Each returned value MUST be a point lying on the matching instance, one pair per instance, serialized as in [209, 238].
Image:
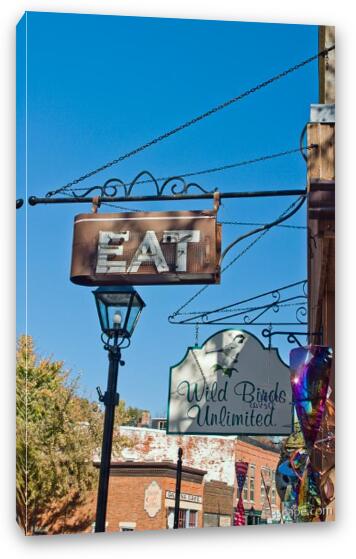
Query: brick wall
[214, 454]
[218, 498]
[260, 458]
[127, 496]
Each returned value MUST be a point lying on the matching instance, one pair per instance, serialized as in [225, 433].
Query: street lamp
[119, 308]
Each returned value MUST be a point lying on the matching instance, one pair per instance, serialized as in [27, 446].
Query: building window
[182, 518]
[162, 425]
[193, 519]
[186, 519]
[273, 490]
[266, 478]
[245, 489]
[263, 492]
[214, 520]
[211, 520]
[252, 482]
[127, 526]
[273, 496]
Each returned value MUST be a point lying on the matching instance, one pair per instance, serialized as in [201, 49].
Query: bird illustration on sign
[228, 355]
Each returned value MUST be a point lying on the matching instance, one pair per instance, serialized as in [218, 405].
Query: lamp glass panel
[135, 311]
[111, 303]
[123, 300]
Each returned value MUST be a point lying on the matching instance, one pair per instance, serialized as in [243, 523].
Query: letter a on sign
[148, 251]
[231, 385]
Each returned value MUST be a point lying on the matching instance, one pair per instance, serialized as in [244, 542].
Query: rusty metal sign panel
[146, 248]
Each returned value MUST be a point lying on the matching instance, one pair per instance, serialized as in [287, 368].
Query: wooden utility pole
[321, 206]
[321, 231]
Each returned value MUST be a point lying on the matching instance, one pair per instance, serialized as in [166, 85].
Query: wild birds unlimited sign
[231, 385]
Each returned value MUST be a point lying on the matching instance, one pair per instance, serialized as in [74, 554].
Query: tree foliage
[57, 434]
[132, 416]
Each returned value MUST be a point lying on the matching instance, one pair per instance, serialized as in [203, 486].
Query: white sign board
[153, 499]
[232, 385]
[184, 497]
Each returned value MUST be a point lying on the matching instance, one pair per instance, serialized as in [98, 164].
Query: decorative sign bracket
[166, 189]
[248, 312]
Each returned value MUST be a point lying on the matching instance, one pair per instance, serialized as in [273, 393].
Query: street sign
[231, 385]
[146, 248]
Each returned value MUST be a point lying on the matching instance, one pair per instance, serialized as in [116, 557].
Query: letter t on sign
[182, 238]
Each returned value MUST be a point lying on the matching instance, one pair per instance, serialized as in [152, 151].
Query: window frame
[252, 479]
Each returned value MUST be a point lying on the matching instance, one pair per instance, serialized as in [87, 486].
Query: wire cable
[194, 120]
[289, 212]
[254, 223]
[221, 168]
[264, 228]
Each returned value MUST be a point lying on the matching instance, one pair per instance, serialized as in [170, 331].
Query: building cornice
[153, 469]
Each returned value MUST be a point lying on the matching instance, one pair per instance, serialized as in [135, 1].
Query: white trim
[143, 218]
[186, 505]
[93, 526]
[129, 525]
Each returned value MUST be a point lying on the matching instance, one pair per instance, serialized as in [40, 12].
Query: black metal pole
[111, 400]
[34, 200]
[178, 484]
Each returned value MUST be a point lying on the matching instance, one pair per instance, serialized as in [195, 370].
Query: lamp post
[178, 487]
[119, 309]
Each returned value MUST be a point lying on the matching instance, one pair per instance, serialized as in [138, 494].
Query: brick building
[142, 480]
[262, 458]
[142, 496]
[218, 504]
[142, 484]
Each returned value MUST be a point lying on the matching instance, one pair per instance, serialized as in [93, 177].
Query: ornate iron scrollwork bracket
[292, 337]
[249, 312]
[114, 187]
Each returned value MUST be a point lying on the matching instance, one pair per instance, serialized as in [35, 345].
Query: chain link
[233, 308]
[193, 121]
[221, 168]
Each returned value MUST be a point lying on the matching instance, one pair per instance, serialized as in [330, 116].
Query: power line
[291, 210]
[221, 168]
[254, 223]
[286, 214]
[193, 121]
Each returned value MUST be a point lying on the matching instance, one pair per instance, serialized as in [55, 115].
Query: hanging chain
[197, 363]
[243, 163]
[193, 121]
[196, 335]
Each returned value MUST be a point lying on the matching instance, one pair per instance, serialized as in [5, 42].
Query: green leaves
[227, 371]
[57, 434]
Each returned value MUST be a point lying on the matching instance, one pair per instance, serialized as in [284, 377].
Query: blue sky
[99, 86]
